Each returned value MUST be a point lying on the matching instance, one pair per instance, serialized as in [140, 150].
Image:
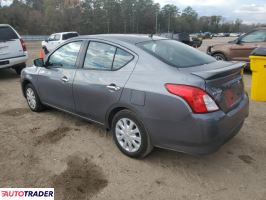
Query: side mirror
[46, 40]
[39, 62]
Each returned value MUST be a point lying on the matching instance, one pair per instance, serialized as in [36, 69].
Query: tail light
[23, 45]
[197, 99]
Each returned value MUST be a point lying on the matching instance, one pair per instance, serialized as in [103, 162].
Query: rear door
[241, 51]
[99, 83]
[55, 81]
[10, 45]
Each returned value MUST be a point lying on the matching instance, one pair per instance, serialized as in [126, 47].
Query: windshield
[69, 35]
[176, 53]
[6, 34]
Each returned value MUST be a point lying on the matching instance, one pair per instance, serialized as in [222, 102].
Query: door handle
[113, 87]
[64, 79]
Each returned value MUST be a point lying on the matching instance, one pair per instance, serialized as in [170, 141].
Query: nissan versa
[150, 91]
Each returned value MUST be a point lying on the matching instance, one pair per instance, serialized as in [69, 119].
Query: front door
[247, 44]
[99, 84]
[55, 81]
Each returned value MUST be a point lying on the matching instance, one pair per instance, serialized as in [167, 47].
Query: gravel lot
[79, 159]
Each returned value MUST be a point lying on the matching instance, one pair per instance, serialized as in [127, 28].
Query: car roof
[125, 38]
[65, 32]
[3, 25]
[261, 28]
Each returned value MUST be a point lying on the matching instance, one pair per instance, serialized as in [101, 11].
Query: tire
[219, 57]
[32, 98]
[19, 68]
[136, 145]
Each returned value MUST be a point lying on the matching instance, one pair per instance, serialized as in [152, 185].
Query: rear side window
[102, 56]
[176, 53]
[69, 35]
[99, 56]
[7, 33]
[121, 58]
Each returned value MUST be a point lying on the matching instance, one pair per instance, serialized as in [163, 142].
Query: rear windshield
[7, 33]
[175, 53]
[69, 35]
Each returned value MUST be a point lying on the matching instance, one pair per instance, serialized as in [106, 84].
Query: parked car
[56, 39]
[207, 35]
[184, 38]
[239, 49]
[150, 91]
[13, 51]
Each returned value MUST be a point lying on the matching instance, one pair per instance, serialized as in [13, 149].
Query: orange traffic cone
[42, 54]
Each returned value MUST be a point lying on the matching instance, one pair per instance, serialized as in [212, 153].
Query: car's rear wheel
[130, 135]
[33, 99]
[19, 68]
[219, 56]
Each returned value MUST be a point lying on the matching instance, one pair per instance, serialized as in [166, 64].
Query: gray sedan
[149, 91]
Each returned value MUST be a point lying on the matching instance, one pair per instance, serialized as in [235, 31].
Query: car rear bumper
[10, 62]
[200, 133]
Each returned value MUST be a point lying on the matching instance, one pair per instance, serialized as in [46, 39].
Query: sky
[250, 11]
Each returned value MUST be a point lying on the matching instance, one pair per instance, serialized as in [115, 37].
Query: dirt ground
[81, 161]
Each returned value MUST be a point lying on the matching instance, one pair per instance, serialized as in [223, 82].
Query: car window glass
[70, 35]
[176, 53]
[99, 56]
[65, 56]
[121, 58]
[7, 33]
[256, 36]
[51, 38]
[57, 37]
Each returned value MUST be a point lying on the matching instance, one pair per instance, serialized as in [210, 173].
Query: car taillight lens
[197, 99]
[23, 45]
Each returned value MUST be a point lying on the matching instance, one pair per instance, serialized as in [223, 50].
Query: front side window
[175, 53]
[103, 56]
[51, 38]
[57, 37]
[255, 36]
[66, 56]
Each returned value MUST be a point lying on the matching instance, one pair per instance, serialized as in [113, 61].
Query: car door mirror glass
[39, 62]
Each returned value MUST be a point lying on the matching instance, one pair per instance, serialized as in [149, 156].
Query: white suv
[57, 38]
[13, 52]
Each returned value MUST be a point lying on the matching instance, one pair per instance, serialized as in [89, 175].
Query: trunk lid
[223, 82]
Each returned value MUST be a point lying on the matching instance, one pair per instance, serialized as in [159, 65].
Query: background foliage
[110, 16]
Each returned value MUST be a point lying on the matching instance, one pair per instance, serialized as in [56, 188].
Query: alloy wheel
[128, 135]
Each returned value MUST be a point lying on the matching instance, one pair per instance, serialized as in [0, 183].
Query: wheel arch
[113, 111]
[23, 85]
[220, 52]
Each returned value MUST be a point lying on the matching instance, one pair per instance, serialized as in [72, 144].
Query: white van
[13, 51]
[56, 39]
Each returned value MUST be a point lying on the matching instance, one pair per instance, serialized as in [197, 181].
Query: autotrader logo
[26, 193]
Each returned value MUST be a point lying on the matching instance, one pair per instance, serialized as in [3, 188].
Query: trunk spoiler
[222, 71]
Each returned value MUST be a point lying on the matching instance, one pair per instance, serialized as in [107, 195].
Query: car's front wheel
[33, 99]
[130, 135]
[219, 56]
